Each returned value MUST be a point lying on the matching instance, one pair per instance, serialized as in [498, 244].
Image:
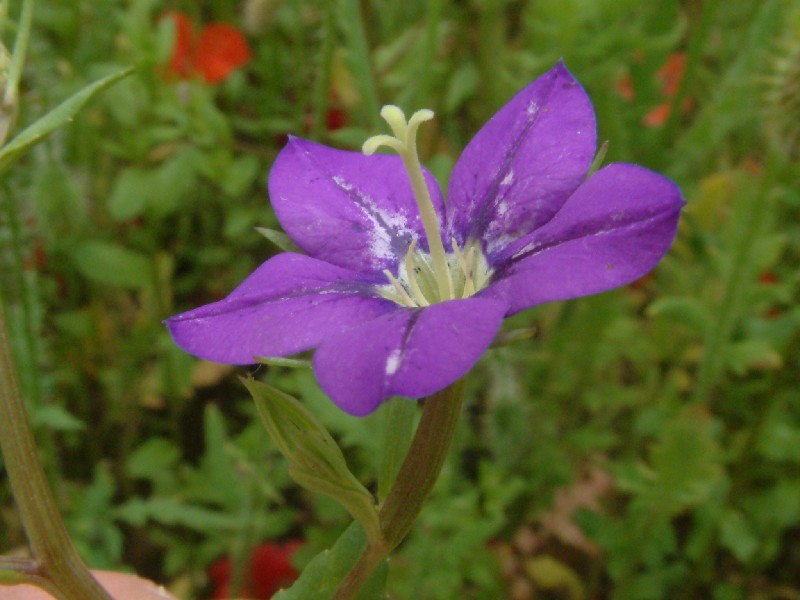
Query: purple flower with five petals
[400, 293]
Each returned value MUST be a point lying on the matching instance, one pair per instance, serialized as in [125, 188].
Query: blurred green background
[641, 444]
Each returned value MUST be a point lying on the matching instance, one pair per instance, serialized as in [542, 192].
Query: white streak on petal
[340, 181]
[393, 362]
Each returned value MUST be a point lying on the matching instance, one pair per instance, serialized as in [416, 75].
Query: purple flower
[400, 293]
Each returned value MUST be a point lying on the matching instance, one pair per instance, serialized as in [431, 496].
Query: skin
[121, 586]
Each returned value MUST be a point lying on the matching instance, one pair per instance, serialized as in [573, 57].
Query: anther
[401, 291]
[411, 274]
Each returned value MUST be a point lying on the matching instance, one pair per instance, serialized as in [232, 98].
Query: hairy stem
[416, 479]
[59, 568]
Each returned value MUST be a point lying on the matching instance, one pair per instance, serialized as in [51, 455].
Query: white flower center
[416, 284]
[426, 278]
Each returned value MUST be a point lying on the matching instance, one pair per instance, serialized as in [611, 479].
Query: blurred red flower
[214, 53]
[270, 570]
[670, 76]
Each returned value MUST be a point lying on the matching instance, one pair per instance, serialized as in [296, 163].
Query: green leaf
[156, 459]
[277, 361]
[239, 175]
[57, 117]
[56, 418]
[12, 67]
[173, 181]
[779, 437]
[463, 85]
[737, 535]
[685, 467]
[172, 511]
[158, 191]
[752, 354]
[280, 239]
[684, 310]
[315, 460]
[111, 264]
[324, 573]
[551, 574]
[128, 197]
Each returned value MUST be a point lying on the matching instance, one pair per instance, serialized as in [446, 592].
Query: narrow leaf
[112, 264]
[277, 361]
[57, 117]
[280, 239]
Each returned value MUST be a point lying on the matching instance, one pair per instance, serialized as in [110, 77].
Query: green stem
[398, 426]
[426, 56]
[8, 104]
[737, 282]
[59, 568]
[359, 58]
[414, 482]
[322, 86]
[491, 28]
[694, 54]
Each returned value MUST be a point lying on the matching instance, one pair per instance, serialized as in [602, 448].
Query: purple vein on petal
[349, 209]
[491, 198]
[523, 164]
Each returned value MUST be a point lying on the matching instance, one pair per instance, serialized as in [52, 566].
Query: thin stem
[423, 463]
[322, 85]
[359, 57]
[414, 482]
[369, 560]
[59, 563]
[738, 276]
[8, 104]
[693, 56]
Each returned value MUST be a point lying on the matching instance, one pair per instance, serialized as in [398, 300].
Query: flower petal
[289, 304]
[221, 48]
[346, 208]
[611, 231]
[180, 62]
[411, 352]
[524, 163]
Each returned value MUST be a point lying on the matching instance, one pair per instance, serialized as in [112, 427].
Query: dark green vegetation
[641, 444]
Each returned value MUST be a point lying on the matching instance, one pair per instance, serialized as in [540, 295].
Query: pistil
[404, 143]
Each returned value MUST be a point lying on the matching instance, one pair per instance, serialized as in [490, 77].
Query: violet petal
[524, 163]
[289, 304]
[411, 352]
[611, 231]
[349, 209]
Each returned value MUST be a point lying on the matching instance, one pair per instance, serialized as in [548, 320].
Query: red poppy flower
[270, 569]
[214, 53]
[670, 76]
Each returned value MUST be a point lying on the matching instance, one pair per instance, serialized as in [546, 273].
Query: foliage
[678, 393]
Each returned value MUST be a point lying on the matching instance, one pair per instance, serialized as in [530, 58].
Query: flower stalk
[56, 565]
[414, 482]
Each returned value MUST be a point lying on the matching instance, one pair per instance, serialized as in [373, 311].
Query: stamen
[412, 276]
[469, 284]
[466, 264]
[459, 256]
[401, 291]
[481, 272]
